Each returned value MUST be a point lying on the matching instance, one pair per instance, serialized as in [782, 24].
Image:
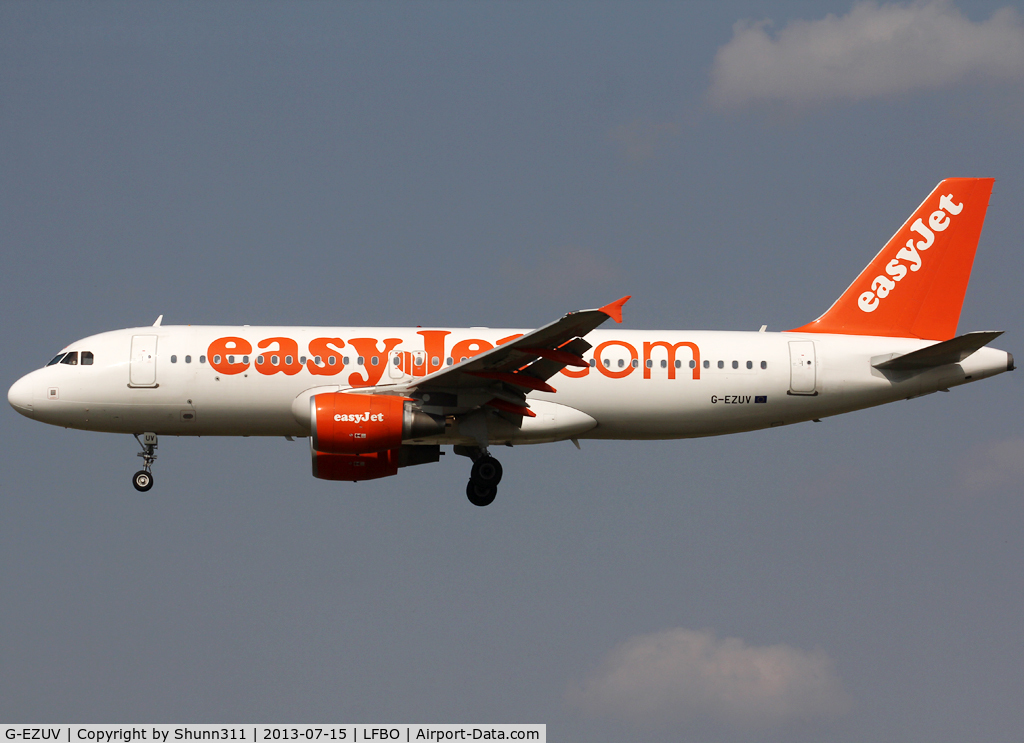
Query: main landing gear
[143, 479]
[483, 478]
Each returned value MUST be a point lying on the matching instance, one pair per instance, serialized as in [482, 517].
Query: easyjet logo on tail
[896, 270]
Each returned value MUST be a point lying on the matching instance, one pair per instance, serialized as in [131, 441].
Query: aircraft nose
[20, 396]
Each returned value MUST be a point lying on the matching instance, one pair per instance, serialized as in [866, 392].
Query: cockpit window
[71, 358]
[56, 359]
[86, 358]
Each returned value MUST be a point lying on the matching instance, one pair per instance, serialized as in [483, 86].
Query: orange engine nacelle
[344, 423]
[356, 467]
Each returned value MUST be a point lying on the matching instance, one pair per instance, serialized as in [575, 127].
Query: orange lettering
[367, 348]
[285, 358]
[221, 348]
[671, 350]
[608, 372]
[330, 356]
[433, 344]
[469, 348]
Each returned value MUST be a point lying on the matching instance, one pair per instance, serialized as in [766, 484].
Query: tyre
[480, 495]
[486, 472]
[142, 481]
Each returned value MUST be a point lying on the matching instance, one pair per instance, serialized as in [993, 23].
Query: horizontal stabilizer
[947, 352]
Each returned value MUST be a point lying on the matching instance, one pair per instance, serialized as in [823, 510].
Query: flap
[501, 377]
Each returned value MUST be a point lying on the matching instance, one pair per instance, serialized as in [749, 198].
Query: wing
[501, 378]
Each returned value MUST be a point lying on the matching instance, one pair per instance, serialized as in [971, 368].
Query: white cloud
[682, 676]
[996, 464]
[874, 50]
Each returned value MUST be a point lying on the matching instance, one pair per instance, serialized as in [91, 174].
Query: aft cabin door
[802, 368]
[142, 369]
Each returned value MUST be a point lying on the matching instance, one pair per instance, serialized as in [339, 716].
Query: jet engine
[356, 467]
[346, 423]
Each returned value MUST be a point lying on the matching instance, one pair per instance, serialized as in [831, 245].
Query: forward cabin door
[142, 368]
[802, 368]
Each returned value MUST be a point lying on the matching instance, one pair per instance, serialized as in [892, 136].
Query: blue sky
[727, 164]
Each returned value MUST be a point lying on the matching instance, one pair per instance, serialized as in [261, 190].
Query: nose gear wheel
[142, 480]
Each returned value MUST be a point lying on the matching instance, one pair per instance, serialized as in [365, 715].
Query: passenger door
[802, 365]
[142, 367]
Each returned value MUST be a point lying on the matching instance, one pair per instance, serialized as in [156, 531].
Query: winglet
[614, 309]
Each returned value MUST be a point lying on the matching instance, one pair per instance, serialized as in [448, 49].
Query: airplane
[376, 400]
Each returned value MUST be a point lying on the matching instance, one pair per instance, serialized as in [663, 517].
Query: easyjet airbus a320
[374, 400]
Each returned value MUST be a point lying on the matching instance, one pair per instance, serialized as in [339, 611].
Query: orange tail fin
[914, 287]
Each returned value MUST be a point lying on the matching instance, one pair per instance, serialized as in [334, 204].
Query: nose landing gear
[143, 479]
[483, 478]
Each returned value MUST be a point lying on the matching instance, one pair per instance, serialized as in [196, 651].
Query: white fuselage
[642, 384]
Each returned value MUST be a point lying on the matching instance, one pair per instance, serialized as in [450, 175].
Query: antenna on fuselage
[158, 321]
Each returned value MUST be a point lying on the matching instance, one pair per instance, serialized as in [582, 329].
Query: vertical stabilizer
[914, 287]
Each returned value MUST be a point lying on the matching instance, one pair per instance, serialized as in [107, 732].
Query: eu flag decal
[761, 398]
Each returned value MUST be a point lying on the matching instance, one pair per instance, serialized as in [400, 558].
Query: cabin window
[188, 359]
[449, 361]
[86, 358]
[216, 358]
[56, 359]
[202, 359]
[434, 361]
[275, 359]
[707, 364]
[259, 359]
[71, 359]
[174, 359]
[750, 364]
[288, 360]
[721, 364]
[593, 362]
[664, 363]
[635, 363]
[607, 364]
[764, 364]
[693, 364]
[622, 363]
[245, 359]
[359, 360]
[650, 363]
[302, 360]
[735, 365]
[374, 360]
[318, 361]
[231, 358]
[344, 360]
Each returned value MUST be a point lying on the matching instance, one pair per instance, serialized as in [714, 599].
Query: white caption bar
[269, 733]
